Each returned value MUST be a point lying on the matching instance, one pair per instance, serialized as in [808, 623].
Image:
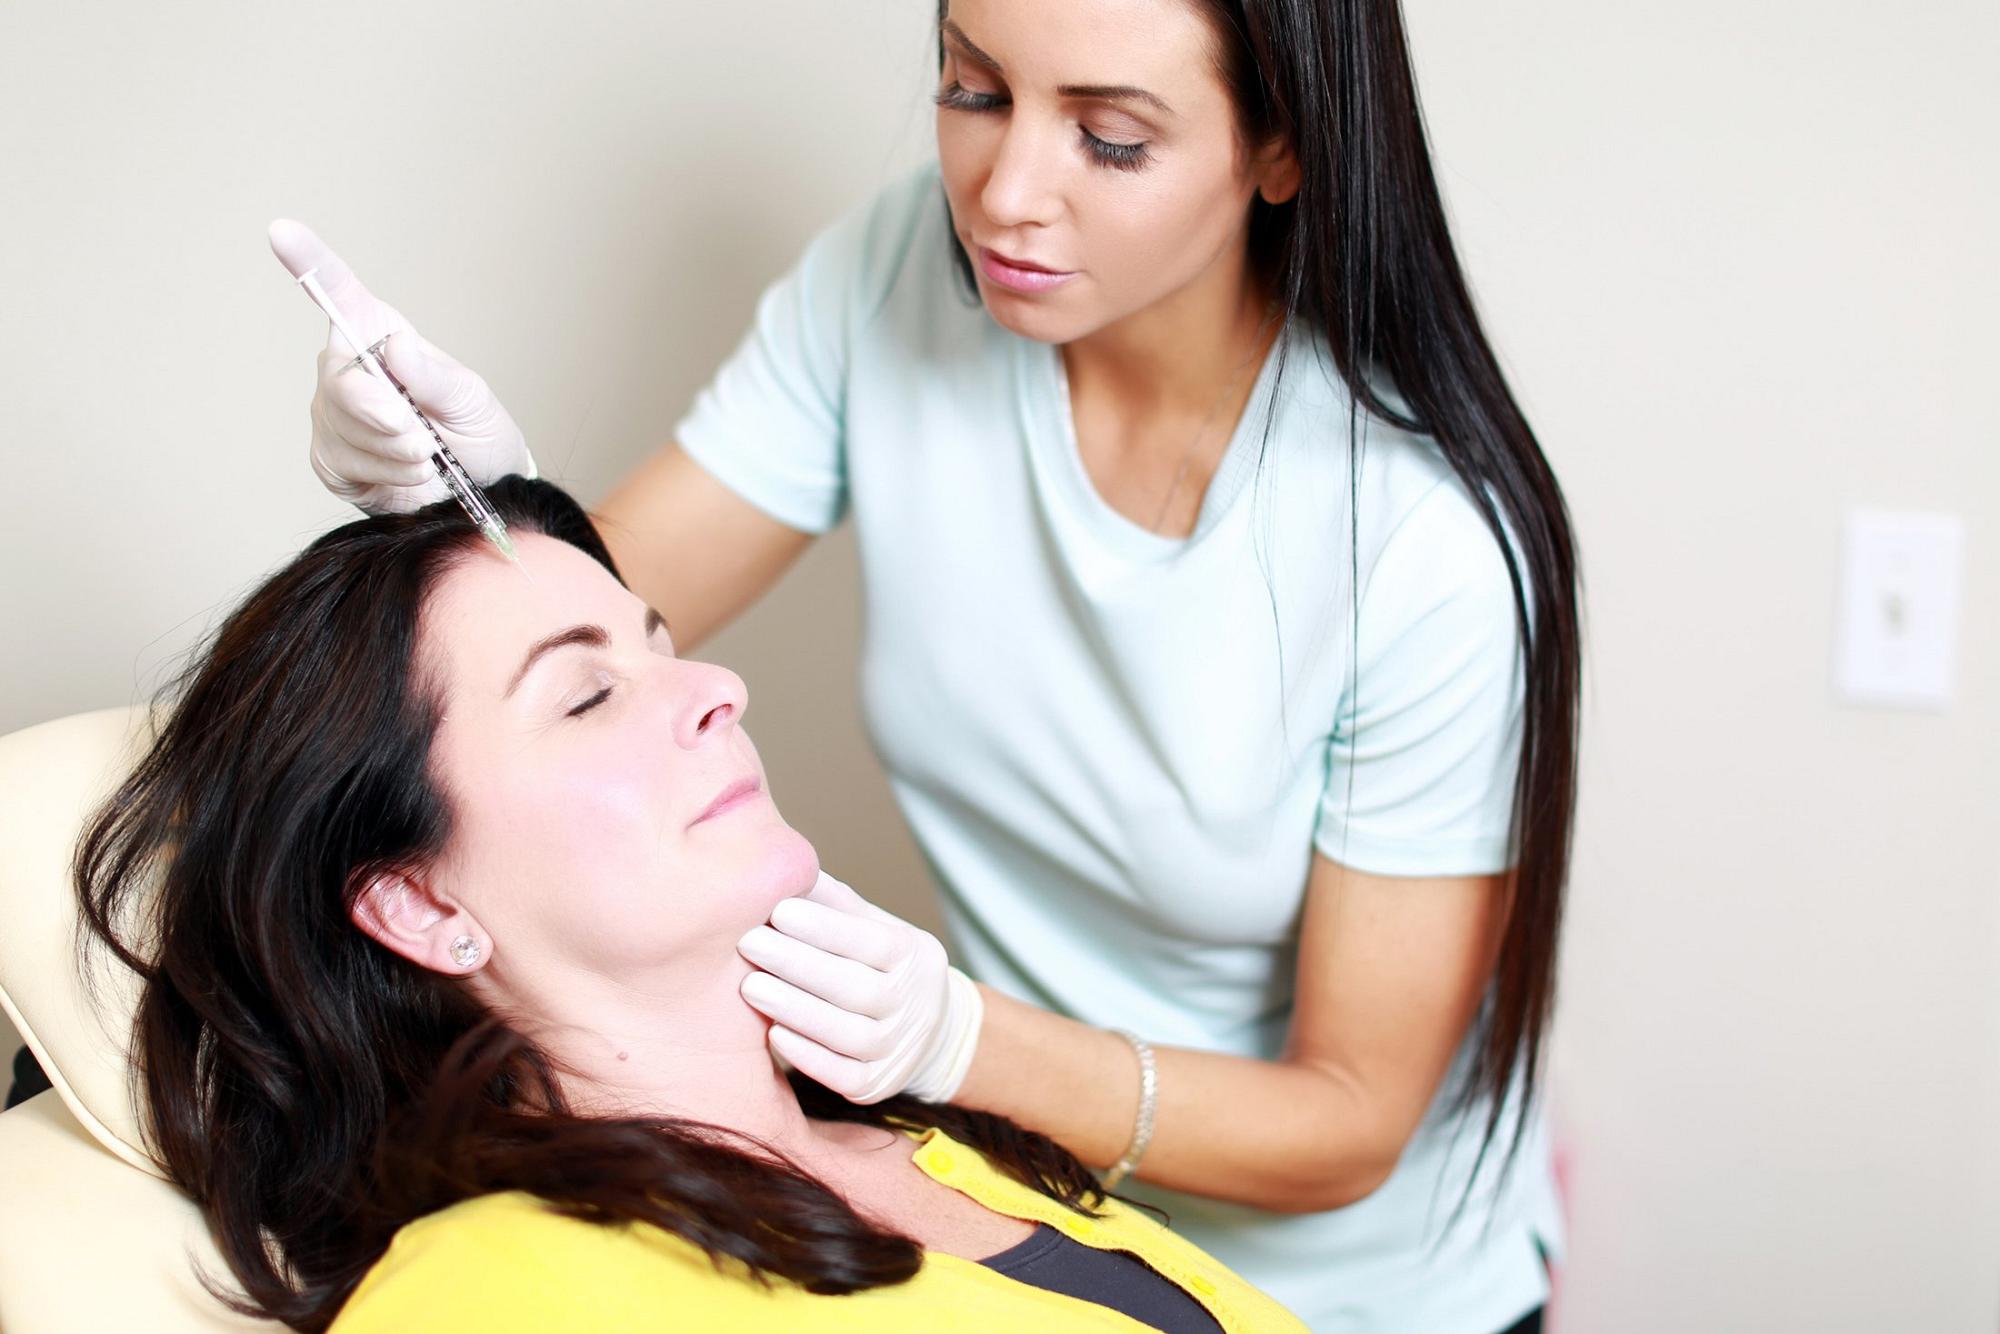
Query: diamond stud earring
[465, 951]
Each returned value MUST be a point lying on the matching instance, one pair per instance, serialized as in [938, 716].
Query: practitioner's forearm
[1269, 1134]
[694, 549]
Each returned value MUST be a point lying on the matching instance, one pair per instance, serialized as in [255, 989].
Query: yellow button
[1202, 1286]
[941, 1161]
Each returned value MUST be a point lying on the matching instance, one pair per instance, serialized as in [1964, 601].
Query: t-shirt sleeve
[1426, 743]
[771, 425]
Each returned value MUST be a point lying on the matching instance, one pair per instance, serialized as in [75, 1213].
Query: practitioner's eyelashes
[1109, 153]
[1104, 152]
[957, 97]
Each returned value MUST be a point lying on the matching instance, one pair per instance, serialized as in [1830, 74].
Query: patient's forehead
[484, 612]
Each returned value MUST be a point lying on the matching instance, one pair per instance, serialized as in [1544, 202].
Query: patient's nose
[713, 704]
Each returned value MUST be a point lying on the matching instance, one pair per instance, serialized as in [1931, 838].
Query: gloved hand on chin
[861, 1000]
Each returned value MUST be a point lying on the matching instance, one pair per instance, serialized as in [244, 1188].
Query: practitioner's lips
[1020, 275]
[736, 794]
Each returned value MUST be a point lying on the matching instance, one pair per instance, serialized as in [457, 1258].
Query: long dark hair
[311, 1090]
[1362, 254]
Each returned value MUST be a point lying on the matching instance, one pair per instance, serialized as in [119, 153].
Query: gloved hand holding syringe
[387, 408]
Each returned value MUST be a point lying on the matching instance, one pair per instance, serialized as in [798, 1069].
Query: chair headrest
[52, 779]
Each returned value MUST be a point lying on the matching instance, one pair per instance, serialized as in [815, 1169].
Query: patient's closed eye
[602, 693]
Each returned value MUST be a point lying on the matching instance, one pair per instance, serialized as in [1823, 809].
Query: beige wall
[1738, 259]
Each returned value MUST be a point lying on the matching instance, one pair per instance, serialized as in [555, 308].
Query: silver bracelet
[1149, 1097]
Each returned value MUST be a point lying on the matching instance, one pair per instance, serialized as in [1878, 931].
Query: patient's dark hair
[314, 1091]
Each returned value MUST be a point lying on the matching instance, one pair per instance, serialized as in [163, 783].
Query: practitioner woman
[1221, 642]
[434, 877]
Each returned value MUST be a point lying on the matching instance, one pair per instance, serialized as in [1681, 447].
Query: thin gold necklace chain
[1187, 456]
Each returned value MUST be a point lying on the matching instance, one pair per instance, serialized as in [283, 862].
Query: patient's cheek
[602, 858]
[585, 842]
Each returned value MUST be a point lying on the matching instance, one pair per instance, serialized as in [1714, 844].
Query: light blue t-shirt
[1118, 751]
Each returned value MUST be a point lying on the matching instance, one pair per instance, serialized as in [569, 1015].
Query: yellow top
[502, 1264]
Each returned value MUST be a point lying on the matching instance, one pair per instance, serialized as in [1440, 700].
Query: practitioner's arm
[1391, 971]
[1390, 976]
[692, 547]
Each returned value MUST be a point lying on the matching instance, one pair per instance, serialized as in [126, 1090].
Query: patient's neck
[672, 1045]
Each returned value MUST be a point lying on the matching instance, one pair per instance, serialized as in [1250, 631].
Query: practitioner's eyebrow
[1099, 92]
[972, 51]
[1113, 92]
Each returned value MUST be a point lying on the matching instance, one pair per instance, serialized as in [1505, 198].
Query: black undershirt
[1050, 1260]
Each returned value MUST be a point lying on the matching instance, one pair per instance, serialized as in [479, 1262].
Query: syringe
[463, 489]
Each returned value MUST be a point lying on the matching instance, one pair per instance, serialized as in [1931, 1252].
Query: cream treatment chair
[92, 1238]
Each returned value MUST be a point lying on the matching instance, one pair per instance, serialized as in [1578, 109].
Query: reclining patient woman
[434, 877]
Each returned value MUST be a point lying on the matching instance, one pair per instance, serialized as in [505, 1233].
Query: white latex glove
[367, 446]
[860, 1000]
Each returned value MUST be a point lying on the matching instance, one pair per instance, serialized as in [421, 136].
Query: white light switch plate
[1897, 638]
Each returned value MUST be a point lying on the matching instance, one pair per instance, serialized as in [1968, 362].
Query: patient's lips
[731, 797]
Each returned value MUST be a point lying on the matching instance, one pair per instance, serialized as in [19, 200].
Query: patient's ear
[400, 911]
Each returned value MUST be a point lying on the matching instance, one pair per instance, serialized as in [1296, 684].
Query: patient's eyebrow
[592, 636]
[588, 636]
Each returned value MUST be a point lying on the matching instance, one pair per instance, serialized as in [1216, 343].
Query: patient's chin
[788, 868]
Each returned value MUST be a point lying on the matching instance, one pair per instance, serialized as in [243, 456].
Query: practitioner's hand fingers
[379, 469]
[850, 1034]
[301, 251]
[862, 939]
[452, 394]
[837, 894]
[833, 893]
[925, 1015]
[850, 1078]
[367, 413]
[367, 445]
[852, 986]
